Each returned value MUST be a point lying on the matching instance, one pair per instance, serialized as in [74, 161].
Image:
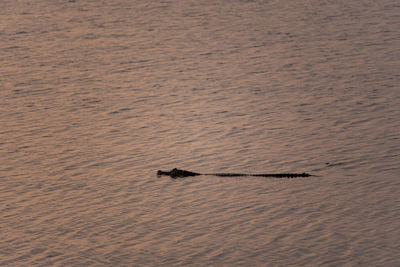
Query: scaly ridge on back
[175, 173]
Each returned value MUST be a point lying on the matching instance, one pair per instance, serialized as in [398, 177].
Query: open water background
[96, 96]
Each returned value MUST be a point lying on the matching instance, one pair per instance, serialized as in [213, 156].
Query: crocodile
[177, 173]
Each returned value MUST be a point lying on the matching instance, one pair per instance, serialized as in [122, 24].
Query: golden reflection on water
[95, 97]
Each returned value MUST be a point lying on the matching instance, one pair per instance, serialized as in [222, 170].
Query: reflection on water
[96, 96]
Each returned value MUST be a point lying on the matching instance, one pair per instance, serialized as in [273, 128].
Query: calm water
[96, 96]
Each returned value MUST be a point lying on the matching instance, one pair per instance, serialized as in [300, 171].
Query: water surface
[96, 96]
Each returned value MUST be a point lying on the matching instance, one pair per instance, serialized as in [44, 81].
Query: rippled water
[96, 96]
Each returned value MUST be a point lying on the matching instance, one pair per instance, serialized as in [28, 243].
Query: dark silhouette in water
[176, 173]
